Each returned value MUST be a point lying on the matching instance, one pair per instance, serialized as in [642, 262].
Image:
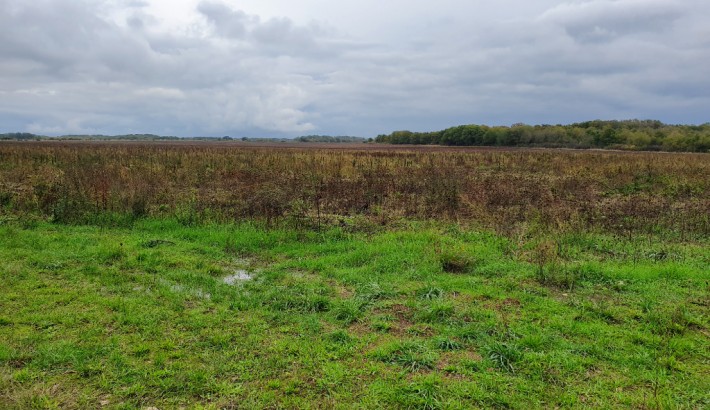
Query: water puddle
[239, 276]
[199, 293]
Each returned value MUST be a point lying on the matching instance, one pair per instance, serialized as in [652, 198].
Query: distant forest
[639, 135]
[26, 136]
[642, 135]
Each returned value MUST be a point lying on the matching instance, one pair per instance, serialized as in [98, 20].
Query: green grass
[418, 317]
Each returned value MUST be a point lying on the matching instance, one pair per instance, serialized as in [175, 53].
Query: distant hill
[328, 138]
[130, 137]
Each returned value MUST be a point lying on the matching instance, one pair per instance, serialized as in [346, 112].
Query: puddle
[178, 288]
[194, 292]
[239, 275]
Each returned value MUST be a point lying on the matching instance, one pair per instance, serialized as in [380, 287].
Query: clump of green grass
[473, 333]
[503, 355]
[423, 393]
[456, 260]
[558, 276]
[154, 243]
[411, 355]
[381, 326]
[447, 344]
[340, 337]
[437, 311]
[671, 320]
[430, 293]
[348, 311]
[372, 292]
[298, 299]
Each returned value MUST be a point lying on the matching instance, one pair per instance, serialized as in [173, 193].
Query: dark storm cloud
[112, 66]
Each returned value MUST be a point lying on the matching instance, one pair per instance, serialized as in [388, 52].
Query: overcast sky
[346, 67]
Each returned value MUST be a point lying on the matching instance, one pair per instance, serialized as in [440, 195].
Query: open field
[501, 189]
[231, 275]
[418, 317]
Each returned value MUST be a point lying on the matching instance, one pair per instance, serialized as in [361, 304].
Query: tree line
[25, 136]
[644, 135]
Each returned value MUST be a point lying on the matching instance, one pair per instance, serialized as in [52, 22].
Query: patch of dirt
[360, 328]
[453, 359]
[401, 312]
[510, 302]
[18, 363]
[593, 373]
[402, 315]
[461, 297]
[342, 291]
[305, 275]
[420, 330]
[505, 304]
[445, 360]
[481, 298]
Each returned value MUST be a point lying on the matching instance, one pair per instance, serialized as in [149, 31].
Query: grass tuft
[503, 355]
[456, 261]
[411, 355]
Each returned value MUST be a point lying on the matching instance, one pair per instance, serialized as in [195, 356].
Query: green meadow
[415, 315]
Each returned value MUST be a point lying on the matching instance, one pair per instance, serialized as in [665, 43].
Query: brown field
[507, 189]
[327, 146]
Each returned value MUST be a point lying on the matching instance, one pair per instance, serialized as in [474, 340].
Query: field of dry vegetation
[224, 275]
[506, 190]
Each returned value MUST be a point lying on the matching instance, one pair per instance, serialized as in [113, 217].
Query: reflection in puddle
[238, 276]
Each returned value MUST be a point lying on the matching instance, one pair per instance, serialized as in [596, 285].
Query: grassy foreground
[421, 316]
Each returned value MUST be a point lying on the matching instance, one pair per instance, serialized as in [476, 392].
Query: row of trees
[19, 136]
[25, 136]
[647, 135]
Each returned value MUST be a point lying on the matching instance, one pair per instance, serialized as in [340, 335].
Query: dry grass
[310, 184]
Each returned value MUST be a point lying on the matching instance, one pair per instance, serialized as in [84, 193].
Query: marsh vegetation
[194, 275]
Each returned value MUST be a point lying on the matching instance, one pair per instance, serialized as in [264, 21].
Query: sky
[284, 68]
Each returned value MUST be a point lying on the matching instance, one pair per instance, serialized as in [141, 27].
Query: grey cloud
[79, 46]
[227, 22]
[34, 33]
[135, 22]
[66, 67]
[277, 36]
[605, 20]
[136, 3]
[140, 20]
[281, 30]
[100, 71]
